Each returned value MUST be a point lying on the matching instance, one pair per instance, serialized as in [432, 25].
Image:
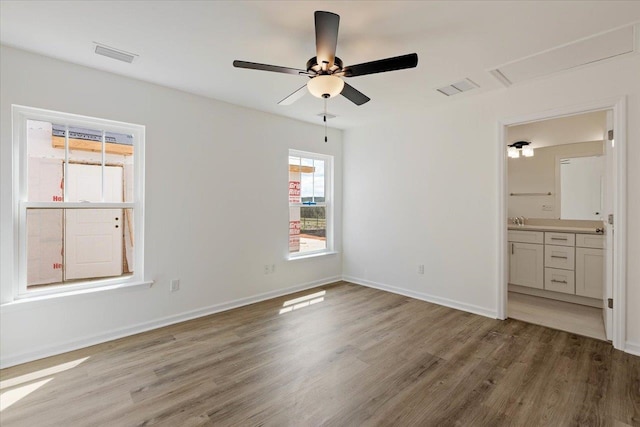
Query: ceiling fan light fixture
[325, 86]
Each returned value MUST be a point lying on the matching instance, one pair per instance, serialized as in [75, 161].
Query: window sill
[26, 301]
[313, 255]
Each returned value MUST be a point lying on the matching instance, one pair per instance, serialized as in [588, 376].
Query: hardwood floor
[575, 318]
[353, 356]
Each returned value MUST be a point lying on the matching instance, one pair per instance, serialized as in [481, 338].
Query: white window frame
[328, 203]
[20, 116]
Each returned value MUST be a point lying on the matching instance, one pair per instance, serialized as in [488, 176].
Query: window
[80, 194]
[310, 208]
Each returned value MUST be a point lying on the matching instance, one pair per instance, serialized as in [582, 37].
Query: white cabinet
[589, 272]
[568, 263]
[526, 264]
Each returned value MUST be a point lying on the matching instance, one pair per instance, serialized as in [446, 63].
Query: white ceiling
[190, 45]
[564, 130]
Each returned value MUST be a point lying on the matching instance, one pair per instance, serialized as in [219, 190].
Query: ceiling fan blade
[354, 95]
[290, 99]
[381, 65]
[326, 37]
[274, 68]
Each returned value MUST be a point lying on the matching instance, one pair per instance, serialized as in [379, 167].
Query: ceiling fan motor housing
[314, 67]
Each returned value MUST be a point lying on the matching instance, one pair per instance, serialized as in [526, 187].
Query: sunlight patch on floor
[10, 397]
[302, 302]
[23, 385]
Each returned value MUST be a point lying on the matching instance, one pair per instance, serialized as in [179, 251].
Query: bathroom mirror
[581, 184]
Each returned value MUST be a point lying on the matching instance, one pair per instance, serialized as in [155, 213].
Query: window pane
[313, 228]
[85, 183]
[318, 181]
[46, 164]
[44, 246]
[71, 245]
[312, 181]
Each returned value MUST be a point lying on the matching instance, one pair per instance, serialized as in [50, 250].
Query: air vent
[586, 51]
[456, 88]
[110, 52]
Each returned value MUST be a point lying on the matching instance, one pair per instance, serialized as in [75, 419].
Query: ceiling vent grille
[458, 87]
[575, 54]
[110, 52]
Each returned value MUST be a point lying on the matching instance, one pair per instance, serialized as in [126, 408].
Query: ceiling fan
[325, 69]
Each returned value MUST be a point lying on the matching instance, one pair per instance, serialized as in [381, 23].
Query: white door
[93, 237]
[610, 173]
[526, 265]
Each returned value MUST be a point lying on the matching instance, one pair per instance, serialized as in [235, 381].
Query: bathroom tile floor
[576, 318]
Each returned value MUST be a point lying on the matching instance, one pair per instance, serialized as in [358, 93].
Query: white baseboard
[475, 309]
[86, 341]
[632, 348]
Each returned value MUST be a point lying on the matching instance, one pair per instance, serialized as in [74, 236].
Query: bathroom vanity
[564, 263]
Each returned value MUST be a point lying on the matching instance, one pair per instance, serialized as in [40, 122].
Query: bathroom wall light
[518, 147]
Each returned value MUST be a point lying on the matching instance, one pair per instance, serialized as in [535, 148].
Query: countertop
[581, 230]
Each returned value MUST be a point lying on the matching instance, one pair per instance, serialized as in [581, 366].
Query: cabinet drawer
[590, 241]
[526, 236]
[559, 280]
[560, 239]
[562, 257]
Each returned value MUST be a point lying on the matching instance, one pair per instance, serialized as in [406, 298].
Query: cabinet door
[526, 265]
[589, 272]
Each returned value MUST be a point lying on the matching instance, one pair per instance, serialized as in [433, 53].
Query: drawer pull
[555, 256]
[559, 238]
[559, 281]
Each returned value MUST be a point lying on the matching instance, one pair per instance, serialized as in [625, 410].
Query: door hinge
[610, 219]
[610, 135]
[610, 303]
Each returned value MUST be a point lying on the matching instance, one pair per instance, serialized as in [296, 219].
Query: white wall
[423, 189]
[216, 204]
[537, 174]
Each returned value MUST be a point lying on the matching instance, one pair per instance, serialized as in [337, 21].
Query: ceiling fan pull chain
[324, 117]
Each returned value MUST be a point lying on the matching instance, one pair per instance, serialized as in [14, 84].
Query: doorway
[556, 268]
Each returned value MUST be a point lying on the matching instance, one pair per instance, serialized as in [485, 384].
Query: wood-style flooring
[349, 357]
[576, 318]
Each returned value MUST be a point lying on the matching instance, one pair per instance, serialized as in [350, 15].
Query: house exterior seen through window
[310, 209]
[80, 201]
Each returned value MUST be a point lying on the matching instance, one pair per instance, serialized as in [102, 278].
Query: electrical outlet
[273, 268]
[421, 269]
[267, 269]
[174, 286]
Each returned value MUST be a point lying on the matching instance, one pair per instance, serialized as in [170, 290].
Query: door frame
[619, 107]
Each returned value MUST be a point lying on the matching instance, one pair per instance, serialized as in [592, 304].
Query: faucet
[518, 220]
